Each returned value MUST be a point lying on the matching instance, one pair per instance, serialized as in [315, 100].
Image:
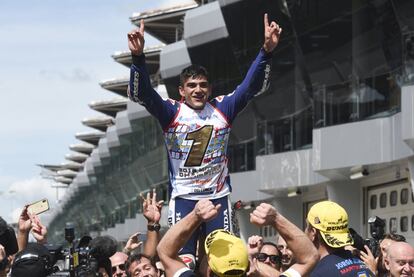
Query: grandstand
[336, 122]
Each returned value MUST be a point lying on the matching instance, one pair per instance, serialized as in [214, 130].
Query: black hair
[269, 243]
[137, 258]
[193, 71]
[393, 237]
[272, 244]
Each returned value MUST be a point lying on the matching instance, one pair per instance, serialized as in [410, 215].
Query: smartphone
[38, 207]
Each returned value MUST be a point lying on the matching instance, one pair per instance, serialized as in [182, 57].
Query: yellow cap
[332, 222]
[227, 254]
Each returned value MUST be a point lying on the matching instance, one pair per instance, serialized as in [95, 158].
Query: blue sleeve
[141, 91]
[256, 81]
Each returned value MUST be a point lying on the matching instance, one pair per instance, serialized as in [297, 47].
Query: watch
[154, 227]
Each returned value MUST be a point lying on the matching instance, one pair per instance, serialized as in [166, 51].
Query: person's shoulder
[325, 267]
[220, 98]
[340, 263]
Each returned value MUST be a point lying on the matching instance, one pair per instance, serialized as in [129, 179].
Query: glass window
[393, 198]
[383, 200]
[373, 202]
[404, 223]
[412, 223]
[404, 196]
[393, 225]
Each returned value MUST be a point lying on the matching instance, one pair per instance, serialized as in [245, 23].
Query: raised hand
[272, 33]
[369, 259]
[264, 214]
[152, 208]
[136, 40]
[254, 243]
[205, 210]
[254, 270]
[25, 224]
[39, 231]
[132, 243]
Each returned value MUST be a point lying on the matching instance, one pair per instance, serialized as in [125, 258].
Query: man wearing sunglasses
[118, 264]
[264, 252]
[269, 255]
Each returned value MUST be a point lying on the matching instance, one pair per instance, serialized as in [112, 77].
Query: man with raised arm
[226, 254]
[305, 253]
[196, 130]
[327, 228]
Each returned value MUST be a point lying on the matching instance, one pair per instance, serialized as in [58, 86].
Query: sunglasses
[120, 266]
[261, 257]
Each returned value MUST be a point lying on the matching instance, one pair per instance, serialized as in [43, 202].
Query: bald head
[118, 264]
[400, 259]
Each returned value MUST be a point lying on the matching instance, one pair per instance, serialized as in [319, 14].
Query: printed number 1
[200, 139]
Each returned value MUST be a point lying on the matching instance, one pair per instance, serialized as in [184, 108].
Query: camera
[376, 229]
[85, 259]
[73, 261]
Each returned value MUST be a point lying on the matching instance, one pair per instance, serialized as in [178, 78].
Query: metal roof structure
[63, 166]
[164, 24]
[63, 180]
[67, 173]
[91, 137]
[99, 123]
[110, 107]
[76, 157]
[84, 148]
[116, 85]
[152, 57]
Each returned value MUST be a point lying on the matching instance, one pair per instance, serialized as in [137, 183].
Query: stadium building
[336, 122]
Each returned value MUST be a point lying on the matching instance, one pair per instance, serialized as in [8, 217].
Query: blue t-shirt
[341, 263]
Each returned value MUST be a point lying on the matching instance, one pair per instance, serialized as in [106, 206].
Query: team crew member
[197, 130]
[327, 228]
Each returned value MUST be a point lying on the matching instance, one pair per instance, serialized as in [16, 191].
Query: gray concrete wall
[361, 143]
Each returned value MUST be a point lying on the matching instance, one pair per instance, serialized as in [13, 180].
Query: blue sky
[53, 54]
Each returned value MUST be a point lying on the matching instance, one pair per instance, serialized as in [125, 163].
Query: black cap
[33, 261]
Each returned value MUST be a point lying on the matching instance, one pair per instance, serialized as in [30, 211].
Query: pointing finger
[141, 26]
[154, 196]
[266, 20]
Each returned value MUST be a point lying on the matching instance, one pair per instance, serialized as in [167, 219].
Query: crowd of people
[324, 248]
